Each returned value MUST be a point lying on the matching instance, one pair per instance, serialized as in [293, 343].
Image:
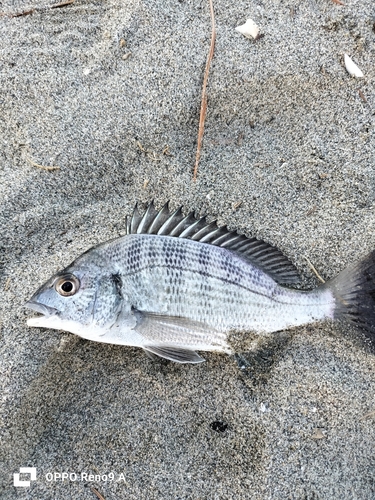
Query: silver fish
[175, 284]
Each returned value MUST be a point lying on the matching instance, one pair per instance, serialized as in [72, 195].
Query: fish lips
[49, 314]
[41, 308]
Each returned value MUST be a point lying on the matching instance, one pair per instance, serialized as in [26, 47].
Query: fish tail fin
[354, 293]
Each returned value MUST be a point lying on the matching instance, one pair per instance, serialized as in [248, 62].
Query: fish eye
[67, 285]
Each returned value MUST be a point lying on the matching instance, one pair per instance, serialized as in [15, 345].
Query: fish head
[83, 299]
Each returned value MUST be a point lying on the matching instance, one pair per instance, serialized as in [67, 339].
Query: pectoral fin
[174, 354]
[176, 338]
[172, 330]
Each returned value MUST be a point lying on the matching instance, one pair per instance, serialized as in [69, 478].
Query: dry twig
[150, 154]
[311, 211]
[96, 492]
[62, 4]
[203, 113]
[368, 415]
[166, 151]
[40, 8]
[41, 166]
[362, 95]
[314, 270]
[24, 13]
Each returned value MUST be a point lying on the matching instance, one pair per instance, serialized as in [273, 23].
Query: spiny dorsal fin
[166, 223]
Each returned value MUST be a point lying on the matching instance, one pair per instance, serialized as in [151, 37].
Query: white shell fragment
[352, 68]
[249, 29]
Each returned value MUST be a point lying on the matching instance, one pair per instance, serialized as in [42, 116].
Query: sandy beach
[110, 93]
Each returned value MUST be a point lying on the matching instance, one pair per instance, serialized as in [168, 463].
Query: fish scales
[175, 285]
[188, 279]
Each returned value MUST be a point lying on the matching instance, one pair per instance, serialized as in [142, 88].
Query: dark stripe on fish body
[231, 271]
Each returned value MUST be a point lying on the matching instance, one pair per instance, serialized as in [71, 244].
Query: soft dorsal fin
[167, 223]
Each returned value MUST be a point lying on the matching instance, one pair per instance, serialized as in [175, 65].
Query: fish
[175, 285]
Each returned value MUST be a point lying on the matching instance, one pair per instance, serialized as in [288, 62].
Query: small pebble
[352, 68]
[249, 29]
[318, 434]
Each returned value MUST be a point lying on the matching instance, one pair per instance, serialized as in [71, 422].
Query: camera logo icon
[24, 470]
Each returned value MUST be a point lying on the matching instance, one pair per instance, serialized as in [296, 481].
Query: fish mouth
[48, 317]
[47, 311]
